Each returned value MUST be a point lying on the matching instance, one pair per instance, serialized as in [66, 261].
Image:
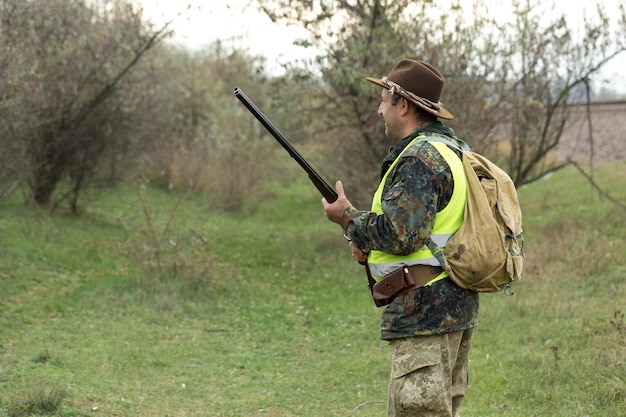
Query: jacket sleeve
[409, 205]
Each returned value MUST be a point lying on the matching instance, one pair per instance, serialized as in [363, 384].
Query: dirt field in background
[608, 123]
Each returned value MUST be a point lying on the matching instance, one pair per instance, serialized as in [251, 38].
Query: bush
[37, 401]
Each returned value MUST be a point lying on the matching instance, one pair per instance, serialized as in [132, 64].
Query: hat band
[396, 88]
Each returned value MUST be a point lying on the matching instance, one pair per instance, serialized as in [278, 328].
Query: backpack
[486, 254]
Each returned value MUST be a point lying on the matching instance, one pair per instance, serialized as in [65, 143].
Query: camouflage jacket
[420, 186]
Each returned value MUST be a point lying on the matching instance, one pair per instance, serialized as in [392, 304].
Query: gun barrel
[323, 187]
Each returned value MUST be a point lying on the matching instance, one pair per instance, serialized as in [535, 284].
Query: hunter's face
[389, 113]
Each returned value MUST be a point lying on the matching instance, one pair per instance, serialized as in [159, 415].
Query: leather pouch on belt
[393, 284]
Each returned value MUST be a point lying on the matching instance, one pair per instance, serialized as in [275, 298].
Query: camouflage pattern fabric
[420, 186]
[439, 308]
[429, 375]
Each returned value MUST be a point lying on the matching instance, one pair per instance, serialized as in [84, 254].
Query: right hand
[334, 211]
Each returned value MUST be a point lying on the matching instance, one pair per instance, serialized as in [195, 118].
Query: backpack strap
[460, 147]
[436, 137]
[437, 252]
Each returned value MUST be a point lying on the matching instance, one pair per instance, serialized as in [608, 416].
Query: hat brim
[442, 112]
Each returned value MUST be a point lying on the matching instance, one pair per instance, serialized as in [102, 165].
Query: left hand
[359, 255]
[334, 211]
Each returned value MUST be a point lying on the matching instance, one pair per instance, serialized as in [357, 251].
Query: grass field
[155, 304]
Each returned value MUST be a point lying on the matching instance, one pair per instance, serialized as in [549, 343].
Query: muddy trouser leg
[429, 375]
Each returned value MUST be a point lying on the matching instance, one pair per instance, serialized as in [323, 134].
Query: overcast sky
[209, 20]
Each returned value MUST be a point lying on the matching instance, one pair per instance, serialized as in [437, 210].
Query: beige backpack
[486, 254]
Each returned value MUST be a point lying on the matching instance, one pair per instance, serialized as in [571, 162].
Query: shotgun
[322, 186]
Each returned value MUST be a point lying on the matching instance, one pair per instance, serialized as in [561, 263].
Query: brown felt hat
[418, 82]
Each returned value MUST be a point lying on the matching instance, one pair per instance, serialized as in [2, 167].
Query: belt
[423, 274]
[400, 281]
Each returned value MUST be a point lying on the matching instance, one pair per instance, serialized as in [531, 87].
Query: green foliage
[65, 62]
[509, 78]
[92, 95]
[201, 137]
[283, 324]
[169, 256]
[39, 401]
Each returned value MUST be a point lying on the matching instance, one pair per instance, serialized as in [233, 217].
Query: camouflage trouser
[429, 375]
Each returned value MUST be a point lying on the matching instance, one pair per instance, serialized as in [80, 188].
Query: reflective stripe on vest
[447, 221]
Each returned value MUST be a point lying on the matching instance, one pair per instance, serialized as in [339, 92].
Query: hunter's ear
[406, 106]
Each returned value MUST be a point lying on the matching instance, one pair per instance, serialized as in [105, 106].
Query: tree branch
[597, 187]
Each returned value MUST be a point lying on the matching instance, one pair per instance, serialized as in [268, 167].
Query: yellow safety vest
[447, 221]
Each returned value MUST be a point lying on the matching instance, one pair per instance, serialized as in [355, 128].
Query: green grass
[144, 307]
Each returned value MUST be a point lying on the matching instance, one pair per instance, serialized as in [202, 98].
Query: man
[422, 194]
